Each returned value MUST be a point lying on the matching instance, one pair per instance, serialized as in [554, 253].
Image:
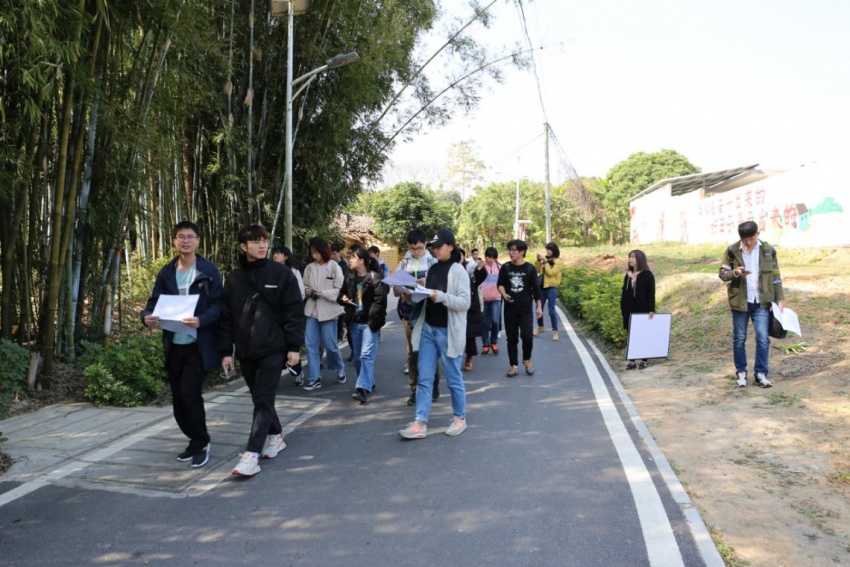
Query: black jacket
[474, 317]
[261, 311]
[374, 312]
[207, 285]
[637, 299]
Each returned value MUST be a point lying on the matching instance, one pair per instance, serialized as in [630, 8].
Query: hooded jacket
[261, 312]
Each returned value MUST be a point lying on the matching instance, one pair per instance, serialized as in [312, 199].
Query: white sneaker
[762, 380]
[248, 464]
[457, 426]
[274, 445]
[742, 379]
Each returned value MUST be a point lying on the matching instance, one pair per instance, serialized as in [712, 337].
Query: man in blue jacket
[188, 358]
[262, 316]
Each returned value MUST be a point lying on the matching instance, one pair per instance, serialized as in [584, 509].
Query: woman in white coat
[323, 279]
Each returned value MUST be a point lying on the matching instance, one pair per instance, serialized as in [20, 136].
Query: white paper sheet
[172, 309]
[400, 278]
[788, 319]
[649, 338]
[419, 293]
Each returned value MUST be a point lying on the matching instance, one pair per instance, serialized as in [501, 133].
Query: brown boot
[467, 363]
[539, 331]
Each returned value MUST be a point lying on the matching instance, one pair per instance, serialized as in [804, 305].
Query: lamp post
[332, 63]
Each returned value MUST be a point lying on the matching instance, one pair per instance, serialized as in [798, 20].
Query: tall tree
[464, 168]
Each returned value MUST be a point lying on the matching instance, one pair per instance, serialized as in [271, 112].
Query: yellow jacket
[551, 272]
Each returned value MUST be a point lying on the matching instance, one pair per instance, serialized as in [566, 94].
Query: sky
[726, 83]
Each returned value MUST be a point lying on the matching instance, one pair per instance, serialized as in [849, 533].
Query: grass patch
[783, 399]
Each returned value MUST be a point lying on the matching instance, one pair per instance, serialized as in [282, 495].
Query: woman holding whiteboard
[638, 294]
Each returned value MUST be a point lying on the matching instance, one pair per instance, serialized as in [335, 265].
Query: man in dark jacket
[262, 315]
[188, 358]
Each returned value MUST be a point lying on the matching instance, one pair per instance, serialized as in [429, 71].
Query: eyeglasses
[186, 237]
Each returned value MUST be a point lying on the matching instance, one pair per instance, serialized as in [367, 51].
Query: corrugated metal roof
[707, 181]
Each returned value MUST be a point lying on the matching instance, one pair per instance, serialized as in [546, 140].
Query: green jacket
[770, 280]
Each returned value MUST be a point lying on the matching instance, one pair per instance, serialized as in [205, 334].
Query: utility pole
[548, 211]
[516, 213]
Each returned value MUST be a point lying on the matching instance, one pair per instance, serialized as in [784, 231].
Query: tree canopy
[631, 176]
[407, 206]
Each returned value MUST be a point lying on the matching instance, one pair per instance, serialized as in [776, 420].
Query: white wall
[778, 203]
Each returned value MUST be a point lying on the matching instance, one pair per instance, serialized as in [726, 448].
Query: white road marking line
[661, 547]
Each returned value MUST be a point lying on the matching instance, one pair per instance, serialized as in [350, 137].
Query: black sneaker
[411, 401]
[341, 377]
[360, 395]
[310, 386]
[202, 458]
[186, 455]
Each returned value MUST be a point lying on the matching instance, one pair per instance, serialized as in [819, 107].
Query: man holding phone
[750, 270]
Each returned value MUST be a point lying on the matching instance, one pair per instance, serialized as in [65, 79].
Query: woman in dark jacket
[474, 316]
[365, 300]
[638, 294]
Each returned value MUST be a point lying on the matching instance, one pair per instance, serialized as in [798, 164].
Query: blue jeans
[365, 351]
[492, 315]
[324, 333]
[761, 320]
[432, 349]
[550, 296]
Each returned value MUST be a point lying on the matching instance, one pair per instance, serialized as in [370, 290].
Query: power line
[524, 23]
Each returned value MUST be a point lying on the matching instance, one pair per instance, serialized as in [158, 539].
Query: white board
[649, 338]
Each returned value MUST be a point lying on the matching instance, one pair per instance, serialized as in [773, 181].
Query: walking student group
[267, 310]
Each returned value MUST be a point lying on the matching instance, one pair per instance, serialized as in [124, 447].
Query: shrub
[14, 365]
[130, 373]
[593, 296]
[104, 390]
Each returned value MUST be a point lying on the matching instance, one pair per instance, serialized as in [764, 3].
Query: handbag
[774, 328]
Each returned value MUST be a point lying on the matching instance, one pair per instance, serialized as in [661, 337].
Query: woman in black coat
[474, 316]
[638, 294]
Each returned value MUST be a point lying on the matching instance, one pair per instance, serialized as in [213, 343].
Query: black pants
[263, 376]
[519, 322]
[186, 375]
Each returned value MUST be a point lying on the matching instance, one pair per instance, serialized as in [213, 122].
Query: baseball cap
[443, 236]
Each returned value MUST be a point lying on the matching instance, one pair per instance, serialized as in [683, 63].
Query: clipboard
[649, 338]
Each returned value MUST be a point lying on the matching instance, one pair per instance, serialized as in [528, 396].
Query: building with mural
[804, 207]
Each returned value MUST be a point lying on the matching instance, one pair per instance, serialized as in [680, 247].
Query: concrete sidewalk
[133, 450]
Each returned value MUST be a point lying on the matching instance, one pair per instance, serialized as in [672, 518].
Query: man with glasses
[262, 315]
[188, 358]
[518, 286]
[416, 262]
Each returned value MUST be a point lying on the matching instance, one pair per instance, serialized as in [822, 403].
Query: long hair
[363, 254]
[556, 252]
[640, 260]
[321, 246]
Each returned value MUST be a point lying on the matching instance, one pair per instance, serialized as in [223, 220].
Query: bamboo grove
[120, 118]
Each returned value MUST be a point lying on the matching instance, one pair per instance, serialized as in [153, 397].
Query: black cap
[443, 236]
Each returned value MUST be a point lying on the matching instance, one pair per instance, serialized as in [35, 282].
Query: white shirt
[751, 264]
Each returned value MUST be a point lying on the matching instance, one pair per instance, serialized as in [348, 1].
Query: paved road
[555, 469]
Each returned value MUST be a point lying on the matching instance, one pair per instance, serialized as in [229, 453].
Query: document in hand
[419, 293]
[172, 309]
[400, 279]
[788, 319]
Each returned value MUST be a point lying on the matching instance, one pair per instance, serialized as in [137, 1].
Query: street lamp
[332, 63]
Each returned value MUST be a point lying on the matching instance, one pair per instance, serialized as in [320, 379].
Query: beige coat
[328, 288]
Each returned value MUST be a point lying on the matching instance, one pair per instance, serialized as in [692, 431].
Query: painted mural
[805, 207]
